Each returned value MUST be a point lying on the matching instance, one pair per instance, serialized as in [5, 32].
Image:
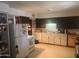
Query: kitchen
[59, 31]
[40, 34]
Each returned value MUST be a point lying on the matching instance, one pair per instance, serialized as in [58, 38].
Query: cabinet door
[57, 39]
[44, 37]
[38, 36]
[18, 30]
[63, 39]
[51, 38]
[71, 40]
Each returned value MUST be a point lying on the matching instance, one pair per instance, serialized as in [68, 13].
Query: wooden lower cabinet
[57, 39]
[52, 38]
[71, 40]
[63, 39]
[38, 36]
[44, 37]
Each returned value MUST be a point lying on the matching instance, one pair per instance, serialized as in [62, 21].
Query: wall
[18, 12]
[4, 7]
[12, 11]
[62, 22]
[72, 12]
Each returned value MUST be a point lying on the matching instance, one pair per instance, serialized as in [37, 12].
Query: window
[51, 27]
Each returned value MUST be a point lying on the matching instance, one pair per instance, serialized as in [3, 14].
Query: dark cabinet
[25, 20]
[71, 22]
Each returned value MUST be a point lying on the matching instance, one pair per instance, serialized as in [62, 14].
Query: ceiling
[44, 7]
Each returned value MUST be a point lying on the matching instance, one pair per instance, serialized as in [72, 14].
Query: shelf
[3, 24]
[4, 55]
[3, 52]
[1, 41]
[3, 31]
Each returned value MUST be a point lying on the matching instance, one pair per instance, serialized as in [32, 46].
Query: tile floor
[52, 51]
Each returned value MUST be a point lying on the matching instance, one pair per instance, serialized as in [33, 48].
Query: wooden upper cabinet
[22, 20]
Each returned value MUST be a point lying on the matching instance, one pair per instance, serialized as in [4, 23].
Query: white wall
[18, 12]
[12, 11]
[4, 7]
